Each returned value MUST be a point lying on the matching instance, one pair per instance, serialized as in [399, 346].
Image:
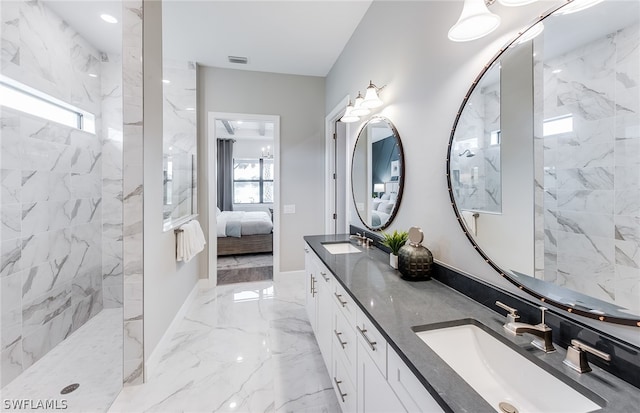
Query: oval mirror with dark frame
[544, 158]
[377, 173]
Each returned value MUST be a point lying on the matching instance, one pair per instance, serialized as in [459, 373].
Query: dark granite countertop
[396, 305]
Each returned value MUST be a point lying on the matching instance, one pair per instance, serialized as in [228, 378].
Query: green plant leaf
[394, 241]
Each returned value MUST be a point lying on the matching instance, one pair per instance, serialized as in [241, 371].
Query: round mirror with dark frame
[542, 164]
[377, 173]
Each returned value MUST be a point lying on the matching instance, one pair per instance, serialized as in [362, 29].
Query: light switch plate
[289, 209]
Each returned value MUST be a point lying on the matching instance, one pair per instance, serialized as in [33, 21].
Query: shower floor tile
[91, 357]
[240, 348]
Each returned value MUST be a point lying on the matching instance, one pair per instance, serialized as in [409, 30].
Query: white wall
[299, 101]
[167, 283]
[404, 45]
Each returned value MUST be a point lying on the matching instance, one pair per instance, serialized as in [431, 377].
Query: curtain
[225, 174]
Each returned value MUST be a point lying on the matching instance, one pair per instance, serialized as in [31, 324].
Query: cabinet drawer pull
[323, 276]
[342, 395]
[338, 296]
[342, 343]
[313, 286]
[306, 250]
[362, 331]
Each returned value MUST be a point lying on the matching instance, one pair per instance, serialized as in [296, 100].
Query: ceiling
[303, 37]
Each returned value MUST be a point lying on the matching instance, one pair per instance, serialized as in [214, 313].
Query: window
[20, 97]
[494, 137]
[556, 126]
[253, 181]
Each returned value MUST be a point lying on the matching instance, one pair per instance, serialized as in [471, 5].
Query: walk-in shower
[61, 272]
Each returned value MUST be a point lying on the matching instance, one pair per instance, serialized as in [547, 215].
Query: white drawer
[343, 386]
[372, 341]
[345, 343]
[412, 394]
[345, 303]
[324, 274]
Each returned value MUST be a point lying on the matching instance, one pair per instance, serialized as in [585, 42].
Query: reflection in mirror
[377, 173]
[179, 141]
[475, 161]
[565, 223]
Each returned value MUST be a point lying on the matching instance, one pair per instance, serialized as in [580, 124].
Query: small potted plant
[394, 241]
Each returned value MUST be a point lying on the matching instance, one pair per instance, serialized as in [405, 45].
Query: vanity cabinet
[367, 375]
[374, 392]
[408, 388]
[318, 301]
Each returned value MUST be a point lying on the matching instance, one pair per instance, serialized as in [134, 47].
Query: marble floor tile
[91, 356]
[240, 348]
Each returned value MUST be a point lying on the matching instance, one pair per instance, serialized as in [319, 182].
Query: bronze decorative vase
[415, 262]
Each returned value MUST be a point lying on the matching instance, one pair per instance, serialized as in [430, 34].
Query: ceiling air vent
[238, 59]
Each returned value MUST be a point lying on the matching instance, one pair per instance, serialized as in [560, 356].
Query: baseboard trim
[287, 274]
[154, 359]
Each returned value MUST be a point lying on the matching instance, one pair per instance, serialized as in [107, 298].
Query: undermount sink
[340, 248]
[502, 375]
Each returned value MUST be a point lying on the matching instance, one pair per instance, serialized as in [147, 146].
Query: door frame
[212, 175]
[329, 185]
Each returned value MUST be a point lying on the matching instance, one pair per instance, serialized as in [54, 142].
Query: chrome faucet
[359, 237]
[541, 331]
[362, 240]
[577, 356]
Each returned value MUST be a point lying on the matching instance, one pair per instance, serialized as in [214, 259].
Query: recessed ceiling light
[167, 81]
[109, 18]
[92, 75]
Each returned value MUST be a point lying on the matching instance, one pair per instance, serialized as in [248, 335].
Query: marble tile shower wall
[477, 179]
[112, 268]
[592, 178]
[51, 270]
[133, 191]
[179, 136]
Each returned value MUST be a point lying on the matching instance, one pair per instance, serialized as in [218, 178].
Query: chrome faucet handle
[543, 310]
[576, 357]
[367, 242]
[513, 312]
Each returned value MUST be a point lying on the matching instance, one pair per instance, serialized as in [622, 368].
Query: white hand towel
[190, 241]
[469, 218]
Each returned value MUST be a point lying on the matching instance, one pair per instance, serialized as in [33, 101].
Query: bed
[382, 208]
[244, 232]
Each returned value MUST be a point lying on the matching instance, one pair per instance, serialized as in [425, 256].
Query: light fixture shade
[577, 5]
[378, 187]
[515, 3]
[530, 34]
[358, 109]
[348, 117]
[476, 21]
[371, 99]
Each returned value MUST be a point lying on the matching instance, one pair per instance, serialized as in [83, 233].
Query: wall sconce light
[358, 108]
[371, 98]
[348, 117]
[363, 105]
[477, 21]
[266, 154]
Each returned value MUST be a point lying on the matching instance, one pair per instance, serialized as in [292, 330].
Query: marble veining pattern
[179, 137]
[132, 191]
[52, 203]
[591, 203]
[245, 347]
[85, 357]
[476, 174]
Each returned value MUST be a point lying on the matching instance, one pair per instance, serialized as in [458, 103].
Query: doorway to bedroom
[246, 193]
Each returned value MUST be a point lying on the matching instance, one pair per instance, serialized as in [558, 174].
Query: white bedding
[237, 223]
